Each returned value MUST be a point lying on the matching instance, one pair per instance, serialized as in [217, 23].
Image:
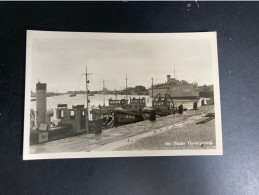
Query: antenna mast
[174, 72]
[126, 87]
[103, 92]
[86, 90]
[152, 94]
[115, 94]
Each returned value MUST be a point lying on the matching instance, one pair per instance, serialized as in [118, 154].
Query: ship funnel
[168, 78]
[41, 100]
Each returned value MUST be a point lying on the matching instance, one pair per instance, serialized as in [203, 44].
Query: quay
[171, 132]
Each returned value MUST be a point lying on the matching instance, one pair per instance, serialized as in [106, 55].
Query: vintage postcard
[121, 95]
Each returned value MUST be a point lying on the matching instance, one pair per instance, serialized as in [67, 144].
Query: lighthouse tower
[41, 103]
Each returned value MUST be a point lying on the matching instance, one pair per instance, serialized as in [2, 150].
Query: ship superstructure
[177, 89]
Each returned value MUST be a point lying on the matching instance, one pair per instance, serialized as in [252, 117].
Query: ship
[164, 105]
[134, 111]
[124, 111]
[177, 89]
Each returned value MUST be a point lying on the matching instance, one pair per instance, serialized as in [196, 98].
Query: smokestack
[41, 100]
[168, 78]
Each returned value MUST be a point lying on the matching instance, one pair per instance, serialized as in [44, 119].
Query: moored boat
[164, 105]
[72, 95]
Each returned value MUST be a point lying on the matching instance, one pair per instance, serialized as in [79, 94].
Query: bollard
[194, 105]
[180, 109]
[153, 115]
[98, 125]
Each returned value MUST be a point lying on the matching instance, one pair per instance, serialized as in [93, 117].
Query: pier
[178, 131]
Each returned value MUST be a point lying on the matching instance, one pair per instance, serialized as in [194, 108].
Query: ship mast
[174, 72]
[115, 94]
[103, 92]
[126, 87]
[86, 90]
[152, 94]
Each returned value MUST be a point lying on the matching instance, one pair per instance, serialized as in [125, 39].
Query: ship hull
[123, 117]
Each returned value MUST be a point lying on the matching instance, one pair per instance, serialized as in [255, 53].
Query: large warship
[177, 89]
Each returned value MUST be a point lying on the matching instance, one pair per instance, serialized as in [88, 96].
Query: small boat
[164, 105]
[73, 95]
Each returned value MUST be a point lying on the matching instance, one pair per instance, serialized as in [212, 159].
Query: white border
[31, 35]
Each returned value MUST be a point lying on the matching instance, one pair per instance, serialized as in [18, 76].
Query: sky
[61, 62]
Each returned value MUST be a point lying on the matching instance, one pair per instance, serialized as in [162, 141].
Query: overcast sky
[61, 62]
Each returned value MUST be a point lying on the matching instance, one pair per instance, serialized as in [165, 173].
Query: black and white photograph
[121, 95]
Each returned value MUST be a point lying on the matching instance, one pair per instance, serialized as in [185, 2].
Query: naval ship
[177, 89]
